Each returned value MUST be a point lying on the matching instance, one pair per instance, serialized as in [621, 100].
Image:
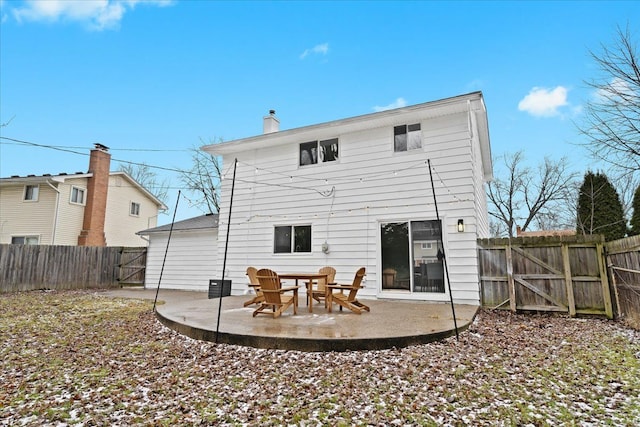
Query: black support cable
[444, 257]
[226, 247]
[173, 220]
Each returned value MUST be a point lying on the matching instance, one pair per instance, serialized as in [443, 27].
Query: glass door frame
[409, 293]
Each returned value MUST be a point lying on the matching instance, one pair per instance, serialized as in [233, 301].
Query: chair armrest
[290, 288]
[335, 286]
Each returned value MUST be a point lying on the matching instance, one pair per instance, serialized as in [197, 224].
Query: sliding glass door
[412, 255]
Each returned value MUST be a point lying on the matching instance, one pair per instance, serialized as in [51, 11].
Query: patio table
[309, 277]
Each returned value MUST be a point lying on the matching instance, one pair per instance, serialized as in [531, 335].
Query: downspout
[55, 214]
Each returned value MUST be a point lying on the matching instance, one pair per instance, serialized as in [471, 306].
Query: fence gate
[565, 274]
[133, 264]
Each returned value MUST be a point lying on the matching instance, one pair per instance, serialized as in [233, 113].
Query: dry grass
[81, 358]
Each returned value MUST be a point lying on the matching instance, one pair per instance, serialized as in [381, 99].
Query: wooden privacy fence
[566, 274]
[133, 264]
[623, 261]
[29, 267]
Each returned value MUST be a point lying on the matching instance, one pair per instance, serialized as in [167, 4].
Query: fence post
[571, 302]
[606, 292]
[512, 284]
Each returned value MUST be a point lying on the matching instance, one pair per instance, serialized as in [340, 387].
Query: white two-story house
[93, 208]
[359, 192]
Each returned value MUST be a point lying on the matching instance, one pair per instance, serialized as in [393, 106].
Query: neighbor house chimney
[92, 233]
[271, 123]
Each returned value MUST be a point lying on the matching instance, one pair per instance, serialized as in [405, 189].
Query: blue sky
[152, 79]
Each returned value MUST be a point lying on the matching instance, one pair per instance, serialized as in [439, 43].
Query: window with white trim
[407, 137]
[77, 195]
[25, 240]
[314, 152]
[134, 210]
[291, 238]
[31, 193]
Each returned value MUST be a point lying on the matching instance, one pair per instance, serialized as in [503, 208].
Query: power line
[67, 150]
[69, 147]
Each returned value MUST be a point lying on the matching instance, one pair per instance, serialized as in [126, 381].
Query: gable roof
[471, 103]
[204, 222]
[62, 177]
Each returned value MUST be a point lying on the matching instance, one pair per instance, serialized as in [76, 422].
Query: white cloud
[320, 49]
[542, 102]
[398, 103]
[95, 14]
[616, 89]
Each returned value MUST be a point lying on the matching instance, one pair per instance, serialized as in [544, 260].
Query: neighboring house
[357, 192]
[96, 208]
[191, 254]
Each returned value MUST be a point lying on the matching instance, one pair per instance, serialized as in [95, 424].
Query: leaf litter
[81, 358]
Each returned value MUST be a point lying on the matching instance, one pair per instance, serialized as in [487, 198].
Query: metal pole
[165, 251]
[226, 247]
[444, 257]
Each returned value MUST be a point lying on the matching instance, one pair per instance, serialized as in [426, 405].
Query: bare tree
[146, 177]
[542, 197]
[611, 121]
[203, 179]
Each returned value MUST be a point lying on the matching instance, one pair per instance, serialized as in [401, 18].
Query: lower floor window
[292, 238]
[24, 240]
[412, 256]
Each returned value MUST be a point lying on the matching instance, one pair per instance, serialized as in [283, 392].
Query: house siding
[190, 263]
[120, 226]
[372, 185]
[24, 218]
[55, 220]
[70, 215]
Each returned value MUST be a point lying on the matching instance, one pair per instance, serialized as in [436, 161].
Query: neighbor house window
[134, 210]
[323, 151]
[24, 240]
[407, 137]
[31, 192]
[292, 238]
[77, 195]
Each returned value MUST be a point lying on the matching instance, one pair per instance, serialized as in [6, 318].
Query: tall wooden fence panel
[623, 260]
[566, 274]
[29, 267]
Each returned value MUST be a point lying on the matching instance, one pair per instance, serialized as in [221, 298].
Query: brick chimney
[270, 123]
[95, 209]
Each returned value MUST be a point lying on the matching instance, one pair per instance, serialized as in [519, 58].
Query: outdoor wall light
[460, 225]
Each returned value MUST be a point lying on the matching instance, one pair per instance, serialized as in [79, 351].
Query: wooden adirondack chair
[273, 292]
[348, 300]
[252, 273]
[320, 291]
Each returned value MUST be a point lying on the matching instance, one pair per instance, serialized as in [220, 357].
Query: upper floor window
[31, 192]
[288, 239]
[134, 210]
[313, 152]
[24, 240]
[77, 195]
[407, 137]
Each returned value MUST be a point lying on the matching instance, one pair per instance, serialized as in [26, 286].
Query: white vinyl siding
[371, 186]
[120, 226]
[18, 218]
[191, 264]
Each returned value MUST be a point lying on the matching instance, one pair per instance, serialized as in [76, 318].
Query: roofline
[157, 201]
[472, 103]
[60, 178]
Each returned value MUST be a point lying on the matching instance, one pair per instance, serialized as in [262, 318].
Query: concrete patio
[391, 323]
